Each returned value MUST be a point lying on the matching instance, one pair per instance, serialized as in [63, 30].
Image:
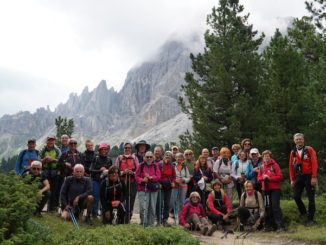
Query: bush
[126, 234]
[17, 203]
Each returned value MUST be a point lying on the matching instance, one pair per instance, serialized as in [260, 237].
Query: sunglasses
[36, 168]
[188, 154]
[148, 157]
[127, 147]
[73, 143]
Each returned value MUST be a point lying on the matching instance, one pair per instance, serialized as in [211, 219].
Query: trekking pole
[129, 211]
[73, 218]
[174, 208]
[159, 207]
[145, 201]
[162, 209]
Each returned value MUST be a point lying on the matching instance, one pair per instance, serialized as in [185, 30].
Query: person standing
[179, 191]
[26, 157]
[127, 164]
[64, 143]
[101, 163]
[88, 156]
[239, 175]
[147, 177]
[270, 176]
[141, 148]
[70, 158]
[50, 155]
[167, 182]
[223, 171]
[303, 168]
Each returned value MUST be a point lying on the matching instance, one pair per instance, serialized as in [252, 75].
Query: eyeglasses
[188, 154]
[36, 168]
[149, 157]
[241, 155]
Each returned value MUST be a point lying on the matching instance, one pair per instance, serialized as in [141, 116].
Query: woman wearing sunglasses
[147, 176]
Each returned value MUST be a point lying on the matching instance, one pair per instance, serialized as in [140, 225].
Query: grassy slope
[295, 227]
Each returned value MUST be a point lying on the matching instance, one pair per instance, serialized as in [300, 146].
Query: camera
[298, 167]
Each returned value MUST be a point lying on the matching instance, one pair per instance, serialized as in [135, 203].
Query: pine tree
[220, 93]
[64, 126]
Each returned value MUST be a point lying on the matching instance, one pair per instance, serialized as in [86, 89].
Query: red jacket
[272, 169]
[189, 209]
[309, 162]
[210, 202]
[167, 173]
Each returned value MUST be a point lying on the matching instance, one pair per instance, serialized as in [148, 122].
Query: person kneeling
[35, 171]
[76, 195]
[251, 210]
[193, 216]
[219, 205]
[113, 194]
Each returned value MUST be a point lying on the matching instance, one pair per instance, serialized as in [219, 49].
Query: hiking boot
[241, 228]
[88, 220]
[309, 223]
[211, 230]
[280, 229]
[166, 224]
[203, 229]
[38, 214]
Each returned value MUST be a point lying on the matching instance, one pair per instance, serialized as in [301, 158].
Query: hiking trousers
[247, 217]
[301, 182]
[195, 221]
[273, 208]
[177, 199]
[130, 198]
[147, 206]
[163, 208]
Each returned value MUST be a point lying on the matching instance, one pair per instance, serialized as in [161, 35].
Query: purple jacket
[153, 172]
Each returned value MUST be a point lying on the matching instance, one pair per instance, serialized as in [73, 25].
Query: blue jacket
[25, 158]
[250, 174]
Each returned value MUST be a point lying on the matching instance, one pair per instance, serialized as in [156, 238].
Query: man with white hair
[35, 171]
[76, 194]
[303, 168]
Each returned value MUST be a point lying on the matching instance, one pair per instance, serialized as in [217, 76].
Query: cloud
[78, 43]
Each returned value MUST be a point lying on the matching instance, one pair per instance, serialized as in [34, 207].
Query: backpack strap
[256, 198]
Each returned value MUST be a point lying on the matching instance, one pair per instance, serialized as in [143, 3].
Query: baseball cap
[31, 140]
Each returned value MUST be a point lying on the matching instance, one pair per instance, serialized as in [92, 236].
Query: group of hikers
[198, 194]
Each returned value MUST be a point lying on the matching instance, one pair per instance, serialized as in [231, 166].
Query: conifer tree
[220, 94]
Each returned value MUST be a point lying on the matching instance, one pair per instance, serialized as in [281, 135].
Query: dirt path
[258, 238]
[251, 239]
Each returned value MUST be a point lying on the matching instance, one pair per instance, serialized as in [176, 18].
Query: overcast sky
[49, 49]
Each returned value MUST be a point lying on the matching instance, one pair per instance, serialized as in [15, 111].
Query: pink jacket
[272, 169]
[153, 172]
[189, 209]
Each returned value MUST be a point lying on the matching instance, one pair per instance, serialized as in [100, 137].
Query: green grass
[63, 233]
[295, 226]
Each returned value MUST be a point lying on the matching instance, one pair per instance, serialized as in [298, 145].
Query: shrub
[126, 234]
[17, 203]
